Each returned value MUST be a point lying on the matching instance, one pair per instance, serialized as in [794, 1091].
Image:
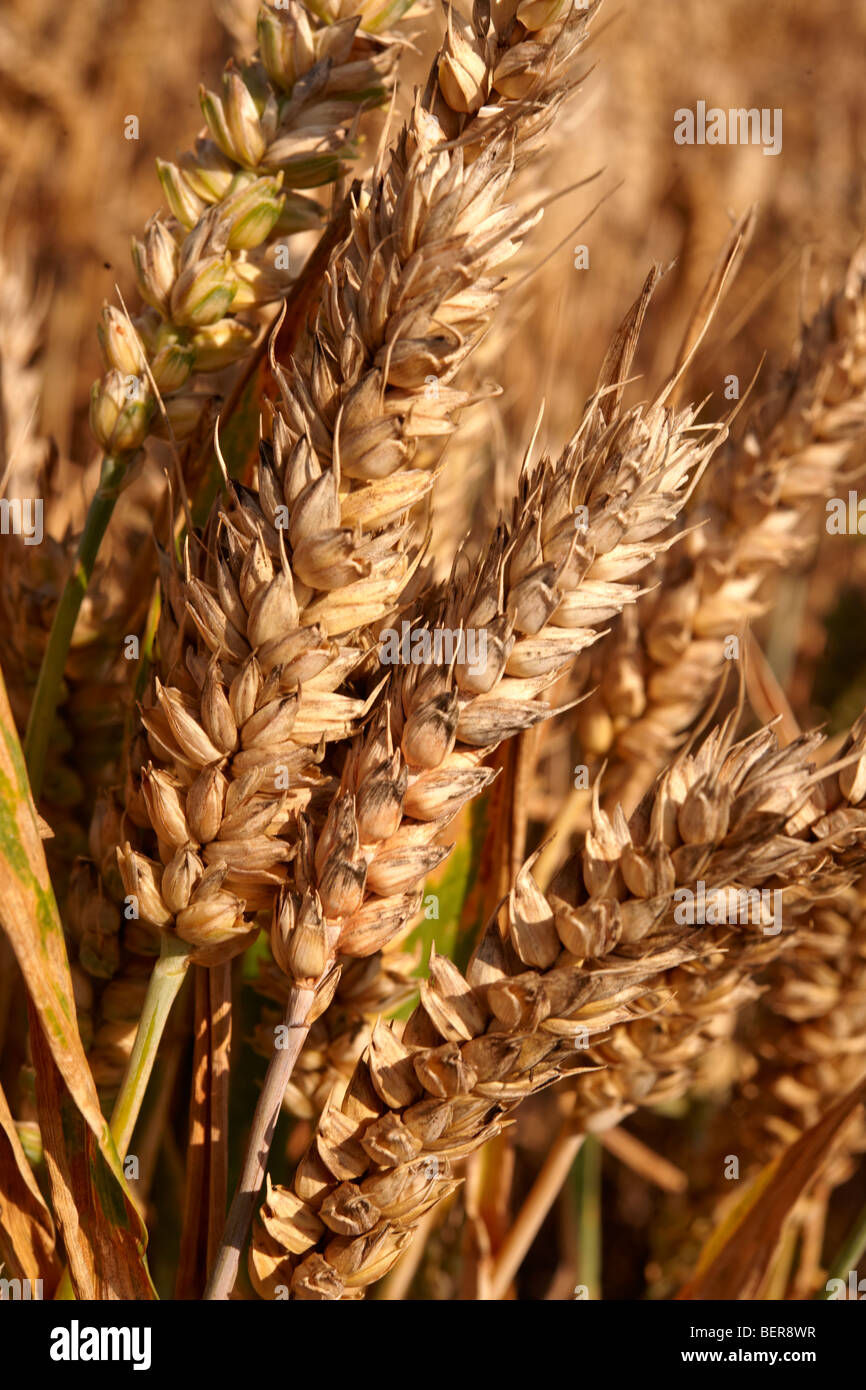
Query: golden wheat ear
[255, 665]
[601, 976]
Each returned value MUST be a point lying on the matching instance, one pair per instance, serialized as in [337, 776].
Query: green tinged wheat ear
[280, 124]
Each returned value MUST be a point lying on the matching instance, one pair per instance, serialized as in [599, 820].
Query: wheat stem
[542, 1196]
[641, 1159]
[587, 1175]
[225, 1267]
[165, 982]
[47, 694]
[847, 1258]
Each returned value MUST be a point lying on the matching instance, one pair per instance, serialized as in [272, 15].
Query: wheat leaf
[28, 914]
[27, 1242]
[737, 1258]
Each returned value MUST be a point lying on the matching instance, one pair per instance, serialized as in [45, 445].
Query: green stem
[587, 1180]
[850, 1253]
[45, 699]
[165, 982]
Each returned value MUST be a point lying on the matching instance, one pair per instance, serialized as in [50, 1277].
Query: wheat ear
[796, 453]
[599, 954]
[352, 408]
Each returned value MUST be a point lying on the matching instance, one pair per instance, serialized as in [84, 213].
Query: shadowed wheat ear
[601, 953]
[806, 1052]
[807, 1043]
[801, 447]
[816, 1051]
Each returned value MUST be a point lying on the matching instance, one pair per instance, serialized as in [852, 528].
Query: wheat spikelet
[369, 987]
[817, 1053]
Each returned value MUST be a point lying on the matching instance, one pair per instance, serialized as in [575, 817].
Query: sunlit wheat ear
[539, 596]
[598, 974]
[257, 633]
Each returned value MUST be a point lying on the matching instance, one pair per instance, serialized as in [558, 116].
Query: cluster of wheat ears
[284, 797]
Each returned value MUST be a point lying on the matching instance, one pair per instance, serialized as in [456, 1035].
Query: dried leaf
[88, 1186]
[26, 1229]
[738, 1257]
